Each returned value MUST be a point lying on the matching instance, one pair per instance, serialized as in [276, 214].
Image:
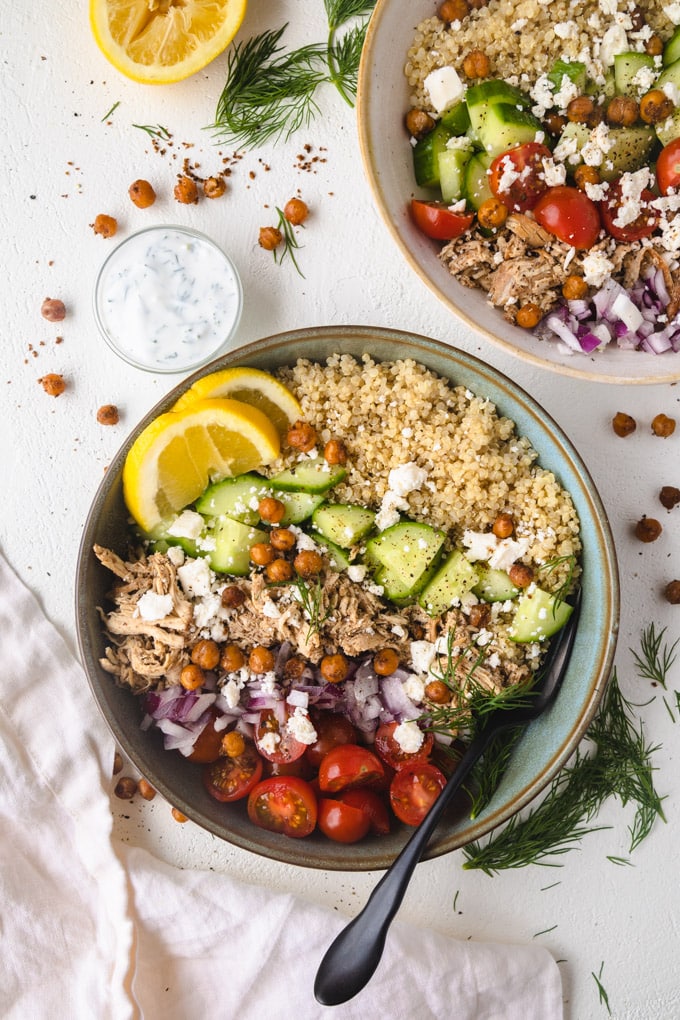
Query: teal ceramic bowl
[547, 743]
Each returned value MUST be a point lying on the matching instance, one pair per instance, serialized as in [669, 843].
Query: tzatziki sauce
[168, 299]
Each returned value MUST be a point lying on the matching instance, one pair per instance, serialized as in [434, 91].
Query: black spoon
[352, 958]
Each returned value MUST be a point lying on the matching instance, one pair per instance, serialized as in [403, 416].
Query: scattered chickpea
[334, 668]
[503, 526]
[335, 452]
[279, 571]
[521, 575]
[117, 763]
[205, 653]
[453, 10]
[586, 175]
[282, 539]
[663, 426]
[574, 288]
[637, 19]
[476, 64]
[232, 596]
[672, 593]
[192, 677]
[555, 123]
[622, 111]
[385, 662]
[623, 424]
[648, 529]
[146, 789]
[232, 658]
[53, 384]
[528, 316]
[308, 563]
[126, 788]
[579, 109]
[261, 659]
[419, 123]
[295, 211]
[105, 226]
[669, 496]
[270, 238]
[233, 744]
[654, 46]
[262, 554]
[302, 436]
[108, 415]
[655, 106]
[186, 191]
[294, 668]
[271, 510]
[53, 310]
[479, 614]
[596, 116]
[476, 5]
[142, 194]
[178, 816]
[438, 692]
[214, 187]
[492, 213]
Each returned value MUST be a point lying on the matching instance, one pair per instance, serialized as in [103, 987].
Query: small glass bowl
[168, 299]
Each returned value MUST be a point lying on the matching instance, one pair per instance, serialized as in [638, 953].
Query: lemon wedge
[161, 41]
[252, 386]
[179, 453]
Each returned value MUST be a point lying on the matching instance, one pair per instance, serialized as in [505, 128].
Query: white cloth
[93, 930]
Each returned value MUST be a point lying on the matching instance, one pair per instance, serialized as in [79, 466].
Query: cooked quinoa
[522, 39]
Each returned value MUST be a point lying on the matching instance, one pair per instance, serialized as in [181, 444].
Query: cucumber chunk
[626, 66]
[338, 559]
[538, 616]
[344, 524]
[426, 156]
[671, 74]
[456, 119]
[494, 585]
[407, 550]
[669, 129]
[233, 540]
[160, 541]
[299, 506]
[454, 579]
[574, 70]
[671, 51]
[395, 588]
[630, 148]
[315, 475]
[452, 163]
[495, 90]
[235, 497]
[500, 126]
[476, 187]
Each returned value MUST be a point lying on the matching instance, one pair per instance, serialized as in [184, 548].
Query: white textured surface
[56, 88]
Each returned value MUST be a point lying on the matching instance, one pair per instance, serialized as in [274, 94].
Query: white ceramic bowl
[383, 100]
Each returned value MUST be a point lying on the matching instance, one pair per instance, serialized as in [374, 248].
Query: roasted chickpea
[302, 436]
[296, 211]
[476, 5]
[146, 790]
[623, 111]
[419, 123]
[580, 109]
[503, 526]
[669, 496]
[192, 677]
[105, 226]
[479, 614]
[453, 10]
[53, 384]
[528, 316]
[672, 593]
[308, 563]
[279, 571]
[476, 64]
[521, 575]
[654, 46]
[385, 661]
[262, 554]
[232, 596]
[186, 191]
[108, 414]
[648, 529]
[655, 106]
[269, 238]
[271, 510]
[214, 187]
[233, 744]
[663, 426]
[125, 788]
[438, 692]
[178, 816]
[555, 122]
[335, 452]
[586, 175]
[282, 539]
[574, 288]
[261, 660]
[142, 194]
[492, 213]
[294, 668]
[623, 424]
[334, 668]
[205, 653]
[53, 310]
[597, 116]
[232, 658]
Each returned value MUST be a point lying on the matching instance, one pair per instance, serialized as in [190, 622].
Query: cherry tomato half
[287, 747]
[643, 226]
[668, 167]
[284, 804]
[341, 822]
[347, 766]
[414, 790]
[208, 743]
[332, 729]
[389, 751]
[372, 805]
[570, 215]
[230, 779]
[438, 221]
[517, 177]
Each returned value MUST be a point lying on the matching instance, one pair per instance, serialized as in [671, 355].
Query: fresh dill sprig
[311, 599]
[154, 131]
[654, 661]
[604, 998]
[112, 110]
[290, 241]
[552, 565]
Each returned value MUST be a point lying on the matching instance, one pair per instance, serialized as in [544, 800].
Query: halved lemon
[252, 386]
[177, 456]
[163, 41]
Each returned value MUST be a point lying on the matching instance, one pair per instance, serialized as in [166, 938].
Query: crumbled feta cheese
[671, 90]
[231, 692]
[406, 478]
[270, 609]
[461, 142]
[409, 736]
[507, 551]
[176, 555]
[484, 637]
[614, 41]
[422, 656]
[479, 544]
[672, 12]
[269, 742]
[194, 576]
[599, 143]
[267, 682]
[444, 88]
[356, 572]
[152, 606]
[207, 610]
[188, 524]
[414, 687]
[298, 699]
[632, 185]
[596, 268]
[644, 79]
[597, 192]
[554, 173]
[300, 726]
[566, 29]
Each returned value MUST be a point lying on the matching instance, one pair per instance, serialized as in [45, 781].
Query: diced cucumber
[574, 70]
[538, 616]
[626, 66]
[454, 579]
[494, 585]
[338, 559]
[669, 129]
[671, 74]
[395, 588]
[315, 475]
[233, 540]
[495, 90]
[630, 148]
[476, 187]
[407, 549]
[299, 506]
[235, 497]
[456, 119]
[426, 156]
[502, 125]
[343, 523]
[452, 163]
[671, 51]
[159, 540]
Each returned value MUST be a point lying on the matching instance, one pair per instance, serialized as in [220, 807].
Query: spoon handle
[353, 956]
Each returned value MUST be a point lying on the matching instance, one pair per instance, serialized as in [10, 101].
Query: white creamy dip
[167, 299]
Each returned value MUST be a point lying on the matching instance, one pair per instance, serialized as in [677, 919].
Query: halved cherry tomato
[570, 215]
[208, 743]
[517, 177]
[414, 790]
[668, 167]
[390, 751]
[643, 226]
[332, 729]
[230, 779]
[300, 767]
[287, 747]
[342, 822]
[284, 804]
[372, 805]
[438, 221]
[347, 766]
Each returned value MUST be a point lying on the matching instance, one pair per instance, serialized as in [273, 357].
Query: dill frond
[654, 661]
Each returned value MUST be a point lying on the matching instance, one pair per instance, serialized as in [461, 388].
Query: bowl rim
[364, 103]
[414, 345]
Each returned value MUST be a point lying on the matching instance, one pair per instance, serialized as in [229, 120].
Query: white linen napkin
[94, 929]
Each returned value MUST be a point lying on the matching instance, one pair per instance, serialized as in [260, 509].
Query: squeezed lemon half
[252, 386]
[162, 41]
[179, 453]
